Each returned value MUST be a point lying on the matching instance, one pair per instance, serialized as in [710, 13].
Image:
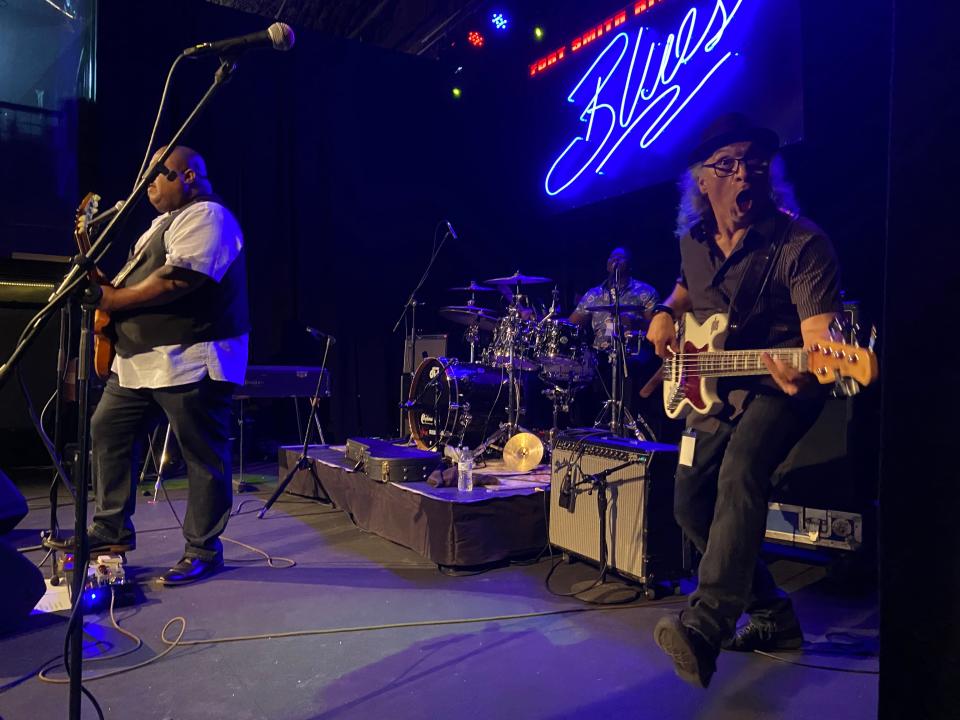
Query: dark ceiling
[412, 26]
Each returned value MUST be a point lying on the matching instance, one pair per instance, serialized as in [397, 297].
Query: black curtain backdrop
[920, 575]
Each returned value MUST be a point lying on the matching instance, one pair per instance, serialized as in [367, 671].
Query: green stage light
[538, 33]
[456, 92]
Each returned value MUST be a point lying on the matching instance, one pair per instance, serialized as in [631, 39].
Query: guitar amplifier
[385, 462]
[643, 540]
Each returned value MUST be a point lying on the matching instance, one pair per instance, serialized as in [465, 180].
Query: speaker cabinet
[643, 540]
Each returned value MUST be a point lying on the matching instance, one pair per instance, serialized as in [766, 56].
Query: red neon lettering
[576, 45]
[620, 19]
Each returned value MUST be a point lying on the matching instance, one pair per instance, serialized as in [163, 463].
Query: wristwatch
[657, 309]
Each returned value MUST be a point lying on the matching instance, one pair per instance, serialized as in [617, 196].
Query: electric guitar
[103, 337]
[690, 376]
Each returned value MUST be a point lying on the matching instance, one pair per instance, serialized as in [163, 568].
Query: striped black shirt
[805, 280]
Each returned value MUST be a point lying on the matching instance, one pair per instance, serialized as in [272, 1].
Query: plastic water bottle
[465, 471]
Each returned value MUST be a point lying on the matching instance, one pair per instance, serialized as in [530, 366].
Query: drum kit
[479, 405]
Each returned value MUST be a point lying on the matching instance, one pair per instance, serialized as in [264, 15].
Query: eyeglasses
[727, 166]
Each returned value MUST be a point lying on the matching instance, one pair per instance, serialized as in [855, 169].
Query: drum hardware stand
[618, 360]
[561, 398]
[512, 426]
[305, 462]
[472, 336]
[411, 306]
[159, 465]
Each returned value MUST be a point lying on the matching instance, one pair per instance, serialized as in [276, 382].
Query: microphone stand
[411, 305]
[609, 593]
[75, 283]
[305, 462]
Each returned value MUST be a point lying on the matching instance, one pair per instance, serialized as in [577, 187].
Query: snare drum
[454, 403]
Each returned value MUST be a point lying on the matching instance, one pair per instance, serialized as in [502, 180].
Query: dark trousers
[199, 414]
[721, 504]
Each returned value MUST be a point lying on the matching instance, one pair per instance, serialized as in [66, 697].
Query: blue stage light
[499, 20]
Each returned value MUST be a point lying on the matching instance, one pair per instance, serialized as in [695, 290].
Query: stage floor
[575, 665]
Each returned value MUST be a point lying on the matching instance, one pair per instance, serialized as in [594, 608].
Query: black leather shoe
[97, 544]
[767, 636]
[189, 570]
[694, 659]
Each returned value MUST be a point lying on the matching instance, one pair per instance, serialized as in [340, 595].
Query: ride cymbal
[474, 287]
[470, 315]
[519, 279]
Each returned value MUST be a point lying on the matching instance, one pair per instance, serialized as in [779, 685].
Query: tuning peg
[873, 337]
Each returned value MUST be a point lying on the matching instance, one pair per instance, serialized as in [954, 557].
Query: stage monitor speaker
[427, 346]
[22, 588]
[644, 542]
[13, 506]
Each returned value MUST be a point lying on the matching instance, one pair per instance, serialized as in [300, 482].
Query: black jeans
[721, 504]
[199, 414]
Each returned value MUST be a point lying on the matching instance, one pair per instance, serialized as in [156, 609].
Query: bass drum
[454, 403]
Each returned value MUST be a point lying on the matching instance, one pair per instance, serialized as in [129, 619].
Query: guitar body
[103, 347]
[684, 389]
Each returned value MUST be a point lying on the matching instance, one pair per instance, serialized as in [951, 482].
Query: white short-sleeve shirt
[205, 237]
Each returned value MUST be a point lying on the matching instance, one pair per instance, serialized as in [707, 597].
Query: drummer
[631, 292]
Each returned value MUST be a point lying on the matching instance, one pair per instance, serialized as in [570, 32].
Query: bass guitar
[690, 376]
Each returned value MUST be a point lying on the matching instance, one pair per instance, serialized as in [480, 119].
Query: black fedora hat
[730, 128]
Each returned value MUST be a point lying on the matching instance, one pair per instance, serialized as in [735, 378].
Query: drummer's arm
[579, 316]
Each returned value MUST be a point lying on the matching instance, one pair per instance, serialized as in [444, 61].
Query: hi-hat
[612, 308]
[474, 287]
[523, 452]
[519, 279]
[470, 315]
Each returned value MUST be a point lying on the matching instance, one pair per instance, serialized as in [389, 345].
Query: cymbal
[518, 279]
[638, 309]
[470, 314]
[523, 452]
[474, 287]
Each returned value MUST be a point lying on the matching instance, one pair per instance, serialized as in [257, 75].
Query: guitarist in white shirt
[180, 322]
[744, 250]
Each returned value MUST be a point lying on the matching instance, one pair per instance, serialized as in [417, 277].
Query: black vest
[213, 311]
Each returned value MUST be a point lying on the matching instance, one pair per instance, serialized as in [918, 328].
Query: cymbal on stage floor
[523, 452]
[470, 315]
[519, 279]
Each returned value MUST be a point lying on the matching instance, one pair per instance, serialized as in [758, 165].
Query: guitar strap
[754, 280]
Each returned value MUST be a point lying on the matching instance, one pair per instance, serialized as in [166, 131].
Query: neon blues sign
[638, 86]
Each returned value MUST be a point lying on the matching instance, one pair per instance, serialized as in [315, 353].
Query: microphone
[317, 335]
[450, 228]
[279, 36]
[106, 214]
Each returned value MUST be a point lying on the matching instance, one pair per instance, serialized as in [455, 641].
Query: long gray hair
[695, 208]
